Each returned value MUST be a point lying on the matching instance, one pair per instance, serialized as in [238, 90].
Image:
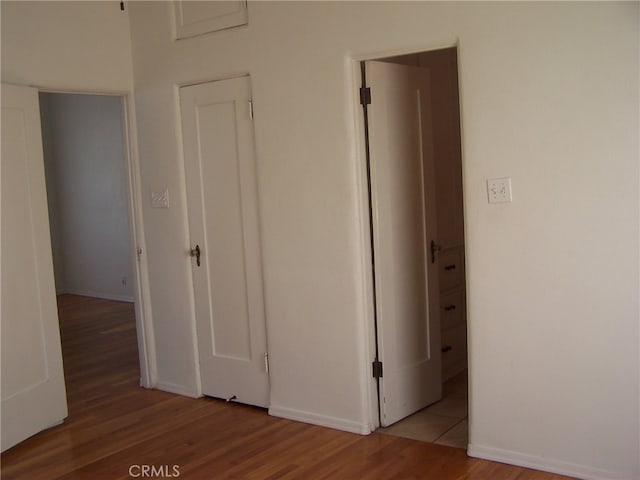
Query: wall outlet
[499, 190]
[160, 199]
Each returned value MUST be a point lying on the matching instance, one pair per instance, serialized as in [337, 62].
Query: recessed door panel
[225, 262]
[199, 17]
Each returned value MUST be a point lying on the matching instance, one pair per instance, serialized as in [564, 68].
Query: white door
[404, 221]
[220, 168]
[33, 390]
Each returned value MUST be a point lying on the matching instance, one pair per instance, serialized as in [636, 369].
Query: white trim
[320, 420]
[142, 290]
[366, 328]
[193, 321]
[362, 209]
[177, 389]
[89, 293]
[398, 52]
[543, 463]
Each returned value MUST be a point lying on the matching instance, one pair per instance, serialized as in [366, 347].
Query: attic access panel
[194, 18]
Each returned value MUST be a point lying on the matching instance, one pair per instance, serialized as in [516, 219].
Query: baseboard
[89, 293]
[177, 389]
[545, 464]
[320, 420]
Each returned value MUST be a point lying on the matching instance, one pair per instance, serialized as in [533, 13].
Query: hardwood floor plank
[114, 424]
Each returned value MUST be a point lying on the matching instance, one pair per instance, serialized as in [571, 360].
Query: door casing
[144, 323]
[369, 398]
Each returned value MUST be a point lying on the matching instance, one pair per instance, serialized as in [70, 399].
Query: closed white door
[220, 168]
[404, 221]
[33, 390]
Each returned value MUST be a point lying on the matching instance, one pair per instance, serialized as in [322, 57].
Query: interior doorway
[89, 197]
[438, 314]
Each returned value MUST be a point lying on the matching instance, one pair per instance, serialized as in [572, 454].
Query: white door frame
[368, 385]
[144, 324]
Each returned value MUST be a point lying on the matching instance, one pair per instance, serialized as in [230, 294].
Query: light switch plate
[499, 190]
[160, 199]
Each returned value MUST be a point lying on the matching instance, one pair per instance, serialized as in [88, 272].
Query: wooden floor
[116, 429]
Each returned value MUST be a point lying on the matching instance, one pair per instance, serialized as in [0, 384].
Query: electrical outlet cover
[160, 199]
[499, 190]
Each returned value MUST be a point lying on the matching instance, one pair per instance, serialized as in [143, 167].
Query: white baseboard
[177, 389]
[89, 293]
[321, 420]
[545, 464]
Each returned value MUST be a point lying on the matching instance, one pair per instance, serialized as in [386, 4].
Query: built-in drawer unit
[453, 315]
[451, 310]
[454, 350]
[450, 269]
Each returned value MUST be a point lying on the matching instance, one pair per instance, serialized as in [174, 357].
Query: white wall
[78, 46]
[85, 172]
[549, 96]
[52, 198]
[68, 46]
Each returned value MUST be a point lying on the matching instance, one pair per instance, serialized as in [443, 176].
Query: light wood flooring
[115, 428]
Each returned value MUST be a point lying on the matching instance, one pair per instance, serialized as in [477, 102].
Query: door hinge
[377, 369]
[139, 252]
[435, 248]
[266, 363]
[365, 96]
[251, 108]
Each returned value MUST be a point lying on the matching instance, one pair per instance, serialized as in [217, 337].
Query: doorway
[89, 197]
[437, 121]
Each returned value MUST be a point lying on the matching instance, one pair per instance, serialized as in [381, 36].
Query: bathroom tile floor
[444, 422]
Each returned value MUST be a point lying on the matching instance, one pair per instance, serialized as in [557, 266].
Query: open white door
[33, 390]
[404, 222]
[217, 131]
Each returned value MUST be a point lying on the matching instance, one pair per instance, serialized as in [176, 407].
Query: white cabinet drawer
[451, 310]
[454, 345]
[450, 265]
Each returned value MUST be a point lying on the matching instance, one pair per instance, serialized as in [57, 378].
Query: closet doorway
[414, 170]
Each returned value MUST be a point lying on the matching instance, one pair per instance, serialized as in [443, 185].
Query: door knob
[195, 252]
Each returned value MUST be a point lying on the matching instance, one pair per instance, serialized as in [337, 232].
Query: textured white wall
[549, 97]
[85, 172]
[76, 46]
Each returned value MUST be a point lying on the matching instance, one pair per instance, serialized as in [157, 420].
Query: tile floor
[444, 423]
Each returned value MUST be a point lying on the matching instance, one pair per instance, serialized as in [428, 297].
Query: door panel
[197, 17]
[223, 221]
[33, 390]
[404, 221]
[223, 230]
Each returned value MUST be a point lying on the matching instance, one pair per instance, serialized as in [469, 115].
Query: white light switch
[499, 190]
[160, 199]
